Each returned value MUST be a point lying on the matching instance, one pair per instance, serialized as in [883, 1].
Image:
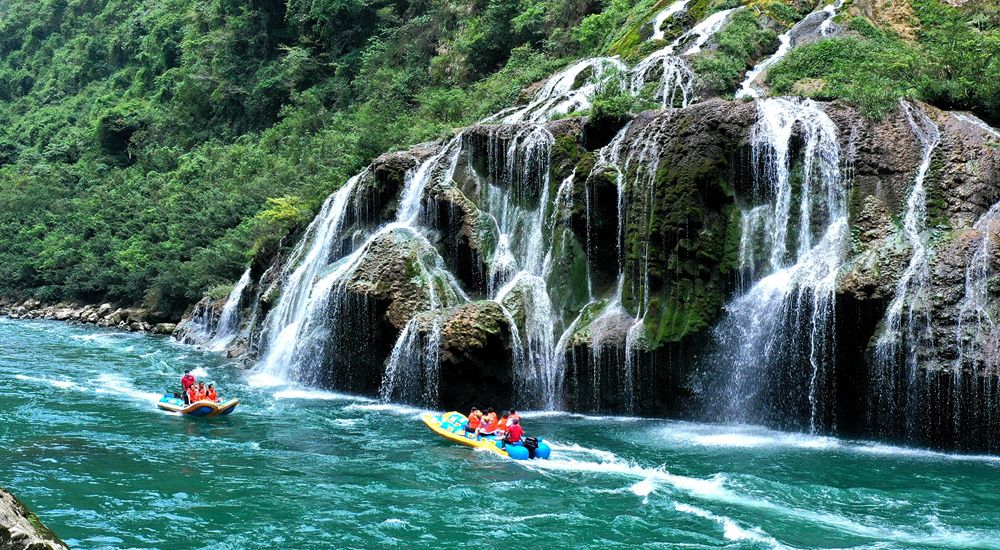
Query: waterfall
[672, 72]
[523, 162]
[635, 162]
[562, 93]
[676, 79]
[978, 123]
[898, 345]
[299, 326]
[699, 35]
[229, 319]
[774, 346]
[975, 318]
[670, 11]
[283, 325]
[785, 42]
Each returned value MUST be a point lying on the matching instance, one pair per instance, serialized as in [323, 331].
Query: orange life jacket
[192, 394]
[211, 394]
[491, 423]
[503, 424]
[475, 420]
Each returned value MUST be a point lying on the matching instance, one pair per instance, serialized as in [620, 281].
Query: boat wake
[731, 530]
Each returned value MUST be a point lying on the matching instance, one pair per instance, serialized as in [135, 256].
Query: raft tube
[198, 408]
[451, 425]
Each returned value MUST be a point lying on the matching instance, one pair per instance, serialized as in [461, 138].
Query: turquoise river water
[82, 442]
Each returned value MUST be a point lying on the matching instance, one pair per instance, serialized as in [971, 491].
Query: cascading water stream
[300, 325]
[229, 318]
[670, 11]
[673, 76]
[311, 254]
[785, 43]
[523, 162]
[785, 320]
[898, 345]
[635, 162]
[562, 93]
[699, 35]
[975, 315]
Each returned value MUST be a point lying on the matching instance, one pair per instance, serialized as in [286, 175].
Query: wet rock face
[667, 214]
[376, 197]
[962, 184]
[367, 310]
[476, 357]
[20, 529]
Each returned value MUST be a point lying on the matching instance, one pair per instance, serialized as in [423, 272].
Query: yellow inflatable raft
[451, 426]
[204, 407]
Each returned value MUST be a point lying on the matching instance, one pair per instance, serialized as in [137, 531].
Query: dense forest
[149, 149]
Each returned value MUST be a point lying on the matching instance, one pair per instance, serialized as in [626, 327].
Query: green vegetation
[954, 62]
[149, 148]
[740, 42]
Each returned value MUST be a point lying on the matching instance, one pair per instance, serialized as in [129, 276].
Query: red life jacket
[186, 382]
[514, 433]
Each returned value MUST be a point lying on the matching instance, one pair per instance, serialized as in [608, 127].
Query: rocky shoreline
[20, 529]
[103, 315]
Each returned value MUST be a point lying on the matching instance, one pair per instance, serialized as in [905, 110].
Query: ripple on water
[297, 467]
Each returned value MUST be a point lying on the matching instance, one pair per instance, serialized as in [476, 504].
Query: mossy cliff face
[962, 184]
[20, 529]
[657, 208]
[476, 357]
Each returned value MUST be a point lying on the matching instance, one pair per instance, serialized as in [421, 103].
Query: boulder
[20, 529]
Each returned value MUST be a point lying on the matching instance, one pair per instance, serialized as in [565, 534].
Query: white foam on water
[922, 454]
[401, 410]
[199, 372]
[643, 489]
[731, 530]
[109, 384]
[61, 384]
[304, 394]
[564, 414]
[265, 380]
[704, 488]
[736, 436]
[606, 456]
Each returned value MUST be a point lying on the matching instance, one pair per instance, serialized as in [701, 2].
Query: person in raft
[475, 419]
[186, 382]
[488, 425]
[210, 393]
[197, 392]
[502, 425]
[515, 433]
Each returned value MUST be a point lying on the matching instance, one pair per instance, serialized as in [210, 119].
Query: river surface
[82, 442]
